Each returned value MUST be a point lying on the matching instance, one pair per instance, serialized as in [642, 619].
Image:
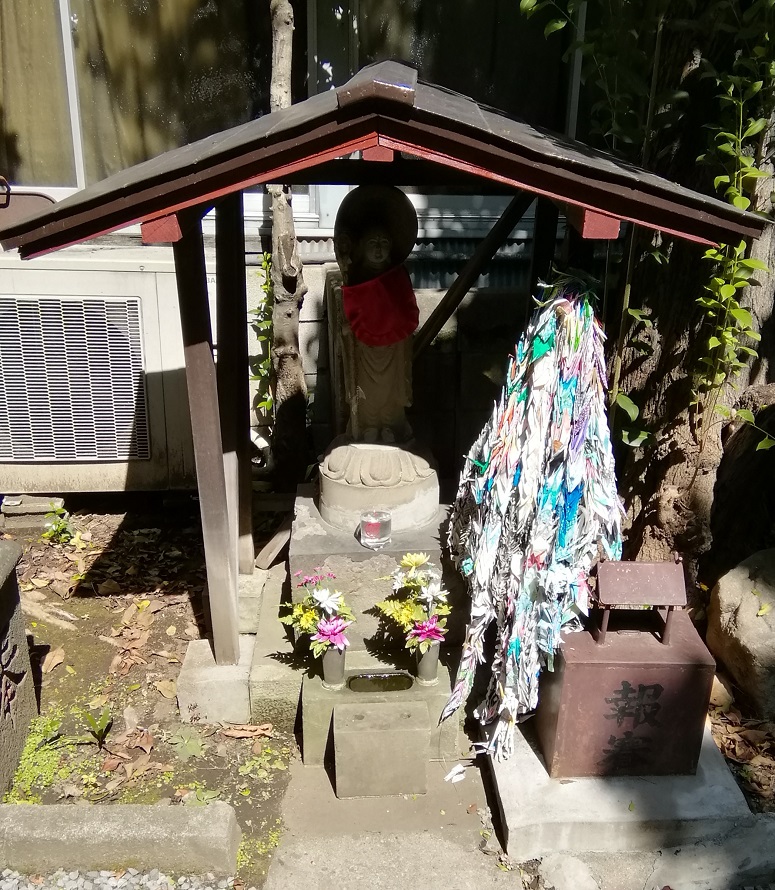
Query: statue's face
[376, 249]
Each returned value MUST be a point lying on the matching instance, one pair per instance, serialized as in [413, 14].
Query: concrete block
[250, 589]
[24, 504]
[187, 840]
[541, 815]
[380, 749]
[318, 703]
[17, 690]
[275, 675]
[213, 693]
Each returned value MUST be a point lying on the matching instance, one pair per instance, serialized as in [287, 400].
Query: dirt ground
[109, 614]
[110, 606]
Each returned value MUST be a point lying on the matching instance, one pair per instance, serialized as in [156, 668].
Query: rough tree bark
[669, 486]
[289, 441]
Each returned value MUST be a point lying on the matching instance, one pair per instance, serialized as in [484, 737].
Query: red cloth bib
[382, 311]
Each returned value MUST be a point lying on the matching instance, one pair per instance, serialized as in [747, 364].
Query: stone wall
[17, 690]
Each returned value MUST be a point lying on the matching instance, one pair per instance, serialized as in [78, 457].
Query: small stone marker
[17, 690]
[381, 749]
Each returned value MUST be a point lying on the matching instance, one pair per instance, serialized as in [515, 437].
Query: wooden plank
[591, 225]
[484, 252]
[208, 448]
[276, 544]
[163, 230]
[232, 374]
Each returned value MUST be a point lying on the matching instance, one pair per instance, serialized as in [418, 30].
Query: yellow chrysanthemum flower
[414, 560]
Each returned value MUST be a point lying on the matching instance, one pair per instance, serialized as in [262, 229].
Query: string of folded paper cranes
[537, 500]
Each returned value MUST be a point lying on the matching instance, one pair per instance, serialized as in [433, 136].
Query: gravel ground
[110, 880]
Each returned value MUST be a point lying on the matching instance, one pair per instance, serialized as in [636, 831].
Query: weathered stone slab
[275, 673]
[250, 589]
[363, 575]
[25, 504]
[741, 627]
[380, 749]
[318, 703]
[182, 840]
[17, 690]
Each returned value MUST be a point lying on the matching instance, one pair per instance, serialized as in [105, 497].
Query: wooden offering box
[628, 697]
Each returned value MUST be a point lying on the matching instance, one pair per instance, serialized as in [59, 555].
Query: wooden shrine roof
[410, 133]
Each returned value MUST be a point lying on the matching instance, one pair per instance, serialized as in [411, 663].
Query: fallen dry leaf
[129, 615]
[247, 731]
[54, 657]
[115, 784]
[258, 748]
[143, 740]
[111, 763]
[168, 688]
[171, 630]
[108, 587]
[98, 702]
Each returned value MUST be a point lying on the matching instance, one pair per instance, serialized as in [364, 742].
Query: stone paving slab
[182, 840]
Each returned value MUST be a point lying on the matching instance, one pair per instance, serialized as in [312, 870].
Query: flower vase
[428, 665]
[333, 668]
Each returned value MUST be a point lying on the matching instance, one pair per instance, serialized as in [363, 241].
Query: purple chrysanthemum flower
[428, 631]
[331, 630]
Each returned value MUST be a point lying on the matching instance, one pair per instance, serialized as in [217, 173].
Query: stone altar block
[17, 690]
[318, 705]
[363, 575]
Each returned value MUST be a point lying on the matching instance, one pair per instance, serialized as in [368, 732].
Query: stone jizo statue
[375, 230]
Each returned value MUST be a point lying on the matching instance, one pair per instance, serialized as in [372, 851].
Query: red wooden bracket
[588, 224]
[162, 230]
[378, 153]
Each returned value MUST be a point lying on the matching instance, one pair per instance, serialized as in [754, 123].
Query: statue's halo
[379, 205]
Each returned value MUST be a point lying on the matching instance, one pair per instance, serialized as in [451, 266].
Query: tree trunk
[669, 486]
[289, 439]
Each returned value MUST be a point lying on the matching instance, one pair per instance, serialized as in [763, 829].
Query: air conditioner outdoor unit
[93, 394]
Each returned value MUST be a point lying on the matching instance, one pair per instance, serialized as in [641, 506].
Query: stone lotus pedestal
[360, 476]
[17, 691]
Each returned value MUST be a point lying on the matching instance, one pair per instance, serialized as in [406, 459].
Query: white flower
[329, 601]
[432, 593]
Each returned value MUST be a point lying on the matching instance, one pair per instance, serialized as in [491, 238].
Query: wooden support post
[232, 372]
[544, 244]
[208, 448]
[485, 251]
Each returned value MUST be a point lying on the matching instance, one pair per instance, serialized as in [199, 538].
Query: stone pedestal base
[318, 704]
[358, 476]
[214, 693]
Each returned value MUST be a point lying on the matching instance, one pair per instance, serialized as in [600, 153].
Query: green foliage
[58, 527]
[99, 727]
[261, 365]
[621, 52]
[187, 743]
[730, 324]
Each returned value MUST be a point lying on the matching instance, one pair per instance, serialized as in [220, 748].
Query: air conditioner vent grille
[73, 382]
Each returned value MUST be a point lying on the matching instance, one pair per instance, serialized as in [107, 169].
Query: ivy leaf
[526, 5]
[713, 342]
[753, 263]
[722, 410]
[741, 202]
[742, 316]
[554, 25]
[634, 438]
[746, 415]
[765, 444]
[628, 406]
